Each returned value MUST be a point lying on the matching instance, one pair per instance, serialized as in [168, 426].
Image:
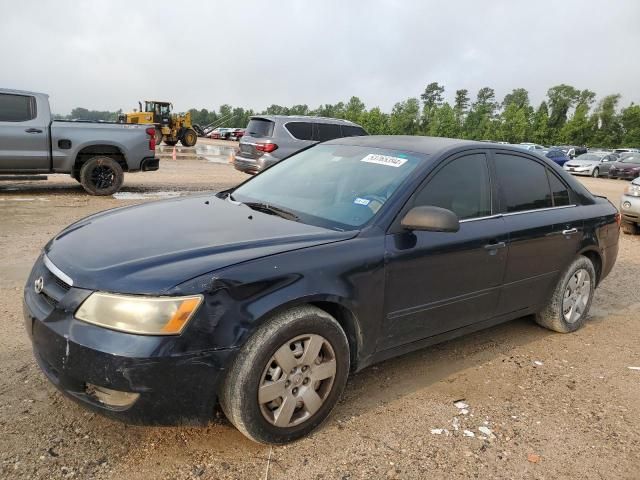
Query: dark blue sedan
[557, 156]
[264, 297]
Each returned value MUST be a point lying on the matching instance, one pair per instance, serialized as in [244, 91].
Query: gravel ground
[539, 404]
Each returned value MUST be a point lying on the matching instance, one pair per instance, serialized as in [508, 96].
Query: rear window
[17, 108]
[327, 131]
[523, 183]
[260, 127]
[352, 131]
[559, 191]
[300, 130]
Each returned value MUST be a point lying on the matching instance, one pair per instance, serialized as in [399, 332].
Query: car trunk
[258, 130]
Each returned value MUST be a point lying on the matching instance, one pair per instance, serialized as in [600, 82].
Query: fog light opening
[112, 398]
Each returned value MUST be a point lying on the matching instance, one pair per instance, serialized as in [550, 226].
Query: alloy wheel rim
[576, 296]
[102, 176]
[297, 380]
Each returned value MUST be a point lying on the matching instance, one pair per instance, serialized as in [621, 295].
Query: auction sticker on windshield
[384, 160]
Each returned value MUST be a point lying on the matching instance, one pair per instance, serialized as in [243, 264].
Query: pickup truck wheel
[101, 176]
[569, 305]
[189, 137]
[287, 377]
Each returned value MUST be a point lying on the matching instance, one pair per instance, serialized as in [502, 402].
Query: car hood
[150, 248]
[625, 166]
[582, 163]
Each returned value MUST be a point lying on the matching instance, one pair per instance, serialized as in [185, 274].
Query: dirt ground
[556, 406]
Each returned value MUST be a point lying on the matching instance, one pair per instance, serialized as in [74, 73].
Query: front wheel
[596, 172]
[101, 176]
[189, 137]
[288, 376]
[569, 305]
[629, 228]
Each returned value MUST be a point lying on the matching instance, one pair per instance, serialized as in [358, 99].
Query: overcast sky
[106, 55]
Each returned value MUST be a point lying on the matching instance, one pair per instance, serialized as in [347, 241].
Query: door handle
[570, 231]
[33, 130]
[495, 246]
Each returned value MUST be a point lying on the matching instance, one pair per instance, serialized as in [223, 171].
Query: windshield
[333, 186]
[589, 156]
[633, 158]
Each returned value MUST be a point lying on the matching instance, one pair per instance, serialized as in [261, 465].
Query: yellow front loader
[170, 127]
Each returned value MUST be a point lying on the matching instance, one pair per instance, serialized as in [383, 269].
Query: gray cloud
[108, 55]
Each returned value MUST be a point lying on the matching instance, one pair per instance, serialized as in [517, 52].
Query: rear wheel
[101, 176]
[288, 376]
[569, 305]
[189, 137]
[629, 228]
[596, 172]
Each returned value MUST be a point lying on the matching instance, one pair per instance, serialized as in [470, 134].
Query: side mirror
[431, 219]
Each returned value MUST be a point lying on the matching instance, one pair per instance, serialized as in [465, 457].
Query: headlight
[633, 190]
[138, 314]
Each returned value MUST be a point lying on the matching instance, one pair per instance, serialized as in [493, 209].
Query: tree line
[567, 115]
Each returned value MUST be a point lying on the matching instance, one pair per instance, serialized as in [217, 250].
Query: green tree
[540, 124]
[461, 106]
[561, 99]
[354, 109]
[578, 130]
[404, 119]
[514, 125]
[630, 119]
[432, 99]
[375, 122]
[443, 122]
[607, 123]
[480, 122]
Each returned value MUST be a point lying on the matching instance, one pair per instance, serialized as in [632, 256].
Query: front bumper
[630, 208]
[579, 171]
[175, 385]
[625, 174]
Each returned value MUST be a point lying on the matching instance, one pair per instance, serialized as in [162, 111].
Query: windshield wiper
[273, 210]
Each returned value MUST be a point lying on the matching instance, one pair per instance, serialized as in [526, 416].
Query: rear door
[24, 141]
[538, 248]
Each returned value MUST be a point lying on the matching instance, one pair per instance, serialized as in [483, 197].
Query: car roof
[20, 92]
[425, 145]
[304, 118]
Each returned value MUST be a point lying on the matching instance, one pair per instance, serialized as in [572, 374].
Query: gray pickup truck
[96, 154]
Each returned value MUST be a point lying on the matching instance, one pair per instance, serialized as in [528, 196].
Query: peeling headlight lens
[138, 314]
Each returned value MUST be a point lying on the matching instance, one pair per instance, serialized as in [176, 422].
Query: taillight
[152, 137]
[618, 218]
[266, 147]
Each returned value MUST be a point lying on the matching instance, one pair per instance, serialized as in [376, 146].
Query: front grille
[53, 290]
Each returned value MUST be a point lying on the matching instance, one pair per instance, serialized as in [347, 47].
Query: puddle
[204, 151]
[142, 196]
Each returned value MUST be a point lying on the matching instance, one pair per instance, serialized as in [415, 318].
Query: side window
[17, 108]
[327, 131]
[559, 191]
[352, 131]
[523, 183]
[461, 186]
[300, 130]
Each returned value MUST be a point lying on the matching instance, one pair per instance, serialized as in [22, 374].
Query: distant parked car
[214, 134]
[558, 156]
[592, 163]
[626, 150]
[237, 134]
[630, 208]
[532, 147]
[270, 138]
[627, 167]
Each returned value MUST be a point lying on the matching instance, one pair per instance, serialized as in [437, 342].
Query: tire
[189, 137]
[554, 315]
[629, 228]
[158, 136]
[171, 143]
[596, 172]
[304, 327]
[101, 176]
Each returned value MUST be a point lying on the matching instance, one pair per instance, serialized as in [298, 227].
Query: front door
[437, 281]
[24, 144]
